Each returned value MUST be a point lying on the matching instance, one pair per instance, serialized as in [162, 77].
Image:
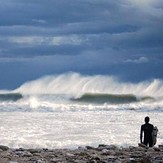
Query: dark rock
[146, 160]
[89, 147]
[34, 150]
[20, 149]
[158, 158]
[4, 148]
[156, 149]
[27, 154]
[111, 158]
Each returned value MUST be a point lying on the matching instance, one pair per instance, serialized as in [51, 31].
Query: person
[146, 132]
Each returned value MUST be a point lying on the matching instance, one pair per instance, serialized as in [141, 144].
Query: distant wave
[10, 96]
[110, 98]
[76, 85]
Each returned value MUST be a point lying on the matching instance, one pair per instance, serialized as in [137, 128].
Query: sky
[122, 38]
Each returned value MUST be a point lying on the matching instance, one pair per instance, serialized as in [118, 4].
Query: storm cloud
[58, 36]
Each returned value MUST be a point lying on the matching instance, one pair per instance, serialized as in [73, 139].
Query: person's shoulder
[142, 125]
[151, 125]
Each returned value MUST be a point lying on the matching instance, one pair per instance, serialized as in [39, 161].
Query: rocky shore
[88, 154]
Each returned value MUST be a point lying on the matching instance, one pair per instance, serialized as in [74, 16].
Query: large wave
[111, 98]
[76, 85]
[73, 91]
[10, 96]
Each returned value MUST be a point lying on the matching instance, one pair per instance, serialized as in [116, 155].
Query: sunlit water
[46, 117]
[72, 129]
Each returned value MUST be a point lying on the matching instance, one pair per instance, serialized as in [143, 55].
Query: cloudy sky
[123, 38]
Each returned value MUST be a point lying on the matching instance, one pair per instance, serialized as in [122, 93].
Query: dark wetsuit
[147, 129]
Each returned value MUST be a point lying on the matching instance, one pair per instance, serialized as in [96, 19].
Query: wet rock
[34, 150]
[109, 147]
[70, 155]
[158, 158]
[94, 160]
[4, 148]
[150, 150]
[20, 149]
[89, 147]
[27, 154]
[101, 154]
[111, 158]
[39, 161]
[156, 149]
[146, 160]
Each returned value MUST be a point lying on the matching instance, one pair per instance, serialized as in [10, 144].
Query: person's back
[147, 129]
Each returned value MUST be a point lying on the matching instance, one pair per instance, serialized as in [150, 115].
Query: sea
[71, 110]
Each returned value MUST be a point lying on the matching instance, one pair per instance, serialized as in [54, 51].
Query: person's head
[146, 119]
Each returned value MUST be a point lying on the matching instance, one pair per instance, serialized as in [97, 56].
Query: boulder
[4, 148]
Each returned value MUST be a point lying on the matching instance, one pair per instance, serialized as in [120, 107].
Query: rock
[146, 160]
[151, 150]
[20, 149]
[95, 159]
[140, 149]
[27, 154]
[39, 161]
[158, 158]
[34, 150]
[89, 147]
[142, 145]
[33, 159]
[156, 149]
[82, 148]
[37, 154]
[109, 147]
[19, 152]
[161, 147]
[54, 160]
[111, 157]
[105, 151]
[70, 155]
[101, 154]
[4, 148]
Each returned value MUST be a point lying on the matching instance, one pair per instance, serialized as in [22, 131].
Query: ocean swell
[76, 85]
[110, 98]
[10, 96]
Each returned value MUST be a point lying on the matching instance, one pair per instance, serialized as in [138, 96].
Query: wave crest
[77, 85]
[10, 96]
[110, 98]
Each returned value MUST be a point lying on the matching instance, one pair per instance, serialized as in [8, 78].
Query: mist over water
[71, 109]
[76, 84]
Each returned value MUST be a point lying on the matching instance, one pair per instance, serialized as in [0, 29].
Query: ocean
[72, 110]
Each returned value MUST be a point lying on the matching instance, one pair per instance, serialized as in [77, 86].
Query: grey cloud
[124, 27]
[138, 61]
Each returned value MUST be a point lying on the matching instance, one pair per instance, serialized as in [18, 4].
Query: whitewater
[71, 110]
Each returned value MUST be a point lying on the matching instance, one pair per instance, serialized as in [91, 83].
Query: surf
[10, 96]
[110, 98]
[76, 85]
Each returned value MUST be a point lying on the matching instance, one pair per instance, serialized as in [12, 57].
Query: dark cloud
[105, 34]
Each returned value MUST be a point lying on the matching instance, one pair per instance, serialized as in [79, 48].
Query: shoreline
[88, 154]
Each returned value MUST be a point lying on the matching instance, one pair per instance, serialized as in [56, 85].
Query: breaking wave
[70, 89]
[77, 85]
[10, 96]
[111, 98]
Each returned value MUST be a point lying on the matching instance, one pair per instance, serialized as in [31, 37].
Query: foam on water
[77, 85]
[46, 116]
[73, 129]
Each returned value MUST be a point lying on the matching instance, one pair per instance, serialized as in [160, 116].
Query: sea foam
[76, 84]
